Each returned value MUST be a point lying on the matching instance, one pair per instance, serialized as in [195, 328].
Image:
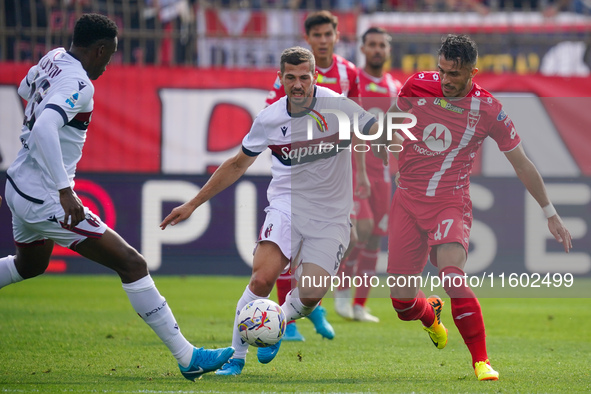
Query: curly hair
[91, 28]
[459, 48]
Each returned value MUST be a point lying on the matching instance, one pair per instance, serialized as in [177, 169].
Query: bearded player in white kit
[40, 188]
[310, 194]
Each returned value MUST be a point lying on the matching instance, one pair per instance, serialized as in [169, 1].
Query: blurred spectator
[568, 58]
[463, 6]
[513, 5]
[171, 15]
[29, 21]
[312, 4]
[578, 6]
[479, 6]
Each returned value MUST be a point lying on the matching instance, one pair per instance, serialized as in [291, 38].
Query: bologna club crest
[268, 230]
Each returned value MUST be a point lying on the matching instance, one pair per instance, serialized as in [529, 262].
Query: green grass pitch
[79, 334]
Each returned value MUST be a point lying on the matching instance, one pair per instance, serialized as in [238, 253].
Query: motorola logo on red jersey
[437, 137]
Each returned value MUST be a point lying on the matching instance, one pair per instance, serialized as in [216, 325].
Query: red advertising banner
[188, 120]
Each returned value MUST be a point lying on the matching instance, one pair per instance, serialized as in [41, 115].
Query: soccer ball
[261, 323]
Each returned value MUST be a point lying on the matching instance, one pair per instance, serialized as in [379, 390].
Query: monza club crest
[473, 118]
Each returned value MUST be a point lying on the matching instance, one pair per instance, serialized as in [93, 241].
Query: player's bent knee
[28, 271]
[364, 230]
[133, 267]
[261, 285]
[397, 291]
[312, 293]
[32, 262]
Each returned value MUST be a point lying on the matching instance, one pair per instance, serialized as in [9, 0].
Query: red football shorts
[418, 223]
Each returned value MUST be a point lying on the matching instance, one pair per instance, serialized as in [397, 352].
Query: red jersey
[378, 95]
[449, 132]
[340, 77]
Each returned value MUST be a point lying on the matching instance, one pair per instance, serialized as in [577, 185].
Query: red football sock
[283, 287]
[466, 312]
[366, 265]
[416, 309]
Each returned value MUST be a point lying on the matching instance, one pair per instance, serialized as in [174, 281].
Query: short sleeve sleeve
[256, 140]
[503, 131]
[402, 101]
[71, 98]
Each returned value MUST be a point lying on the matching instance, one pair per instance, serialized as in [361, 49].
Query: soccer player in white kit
[310, 194]
[39, 192]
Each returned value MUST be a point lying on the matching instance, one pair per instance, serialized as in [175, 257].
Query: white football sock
[154, 310]
[8, 272]
[241, 348]
[293, 307]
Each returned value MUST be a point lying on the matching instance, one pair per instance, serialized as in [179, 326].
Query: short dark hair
[375, 30]
[320, 18]
[461, 49]
[295, 56]
[91, 28]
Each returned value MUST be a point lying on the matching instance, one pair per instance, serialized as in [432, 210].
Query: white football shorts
[33, 222]
[306, 240]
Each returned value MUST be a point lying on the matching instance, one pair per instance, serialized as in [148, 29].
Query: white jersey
[312, 177]
[57, 83]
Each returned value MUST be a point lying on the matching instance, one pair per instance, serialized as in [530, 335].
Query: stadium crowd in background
[167, 32]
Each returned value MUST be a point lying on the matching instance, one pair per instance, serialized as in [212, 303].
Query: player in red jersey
[339, 75]
[431, 213]
[378, 90]
[334, 72]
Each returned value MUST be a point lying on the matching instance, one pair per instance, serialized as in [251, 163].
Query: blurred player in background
[310, 195]
[46, 210]
[370, 216]
[339, 75]
[431, 213]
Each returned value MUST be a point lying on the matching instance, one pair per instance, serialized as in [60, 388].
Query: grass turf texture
[80, 334]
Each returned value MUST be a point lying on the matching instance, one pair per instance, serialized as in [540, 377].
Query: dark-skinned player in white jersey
[40, 189]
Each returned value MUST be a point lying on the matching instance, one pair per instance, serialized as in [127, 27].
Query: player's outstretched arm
[226, 174]
[533, 182]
